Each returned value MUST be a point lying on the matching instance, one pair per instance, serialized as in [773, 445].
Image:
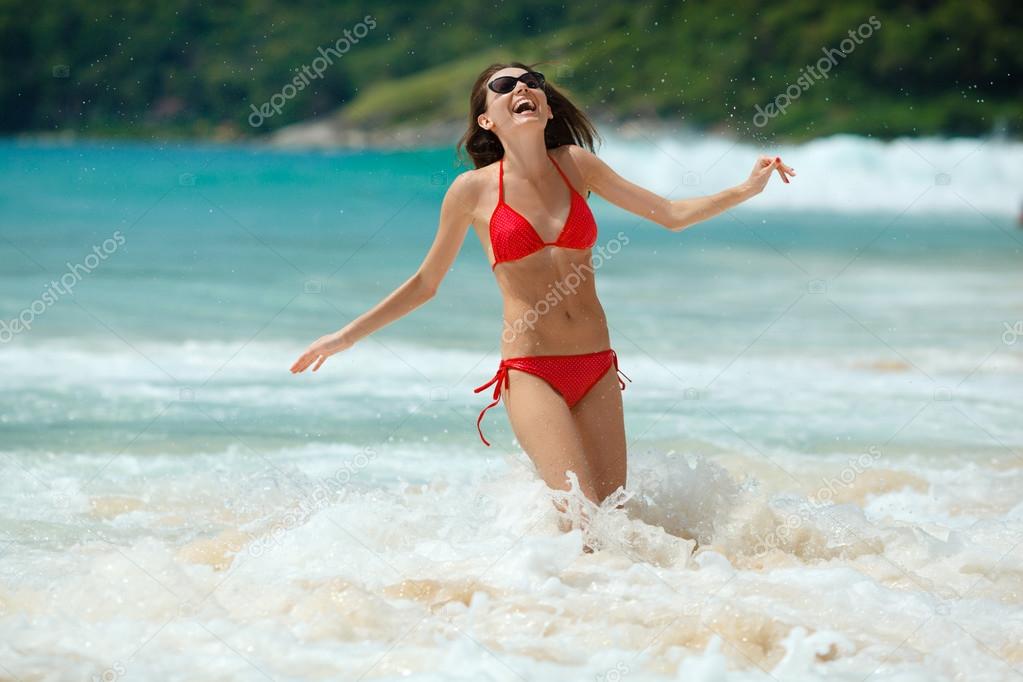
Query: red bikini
[512, 237]
[570, 375]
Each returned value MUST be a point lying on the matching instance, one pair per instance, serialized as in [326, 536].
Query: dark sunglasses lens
[531, 80]
[503, 84]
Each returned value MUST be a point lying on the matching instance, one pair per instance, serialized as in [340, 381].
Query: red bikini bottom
[570, 375]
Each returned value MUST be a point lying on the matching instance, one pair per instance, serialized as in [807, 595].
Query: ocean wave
[841, 173]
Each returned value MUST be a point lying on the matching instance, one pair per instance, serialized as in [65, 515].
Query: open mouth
[524, 106]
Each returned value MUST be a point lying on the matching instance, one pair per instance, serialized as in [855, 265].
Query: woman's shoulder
[475, 179]
[572, 152]
[467, 187]
[575, 158]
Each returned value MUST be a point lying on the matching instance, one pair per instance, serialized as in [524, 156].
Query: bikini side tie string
[614, 358]
[500, 378]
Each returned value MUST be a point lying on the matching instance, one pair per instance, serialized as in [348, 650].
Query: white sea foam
[221, 564]
[843, 173]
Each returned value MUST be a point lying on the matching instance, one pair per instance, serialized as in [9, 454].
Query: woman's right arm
[455, 217]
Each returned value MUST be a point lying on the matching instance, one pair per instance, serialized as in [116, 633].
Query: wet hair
[569, 125]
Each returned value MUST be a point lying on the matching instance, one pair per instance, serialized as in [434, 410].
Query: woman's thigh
[547, 431]
[600, 421]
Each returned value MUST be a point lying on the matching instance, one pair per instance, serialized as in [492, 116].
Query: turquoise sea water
[149, 420]
[233, 260]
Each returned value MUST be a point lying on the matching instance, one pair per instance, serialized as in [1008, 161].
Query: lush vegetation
[196, 68]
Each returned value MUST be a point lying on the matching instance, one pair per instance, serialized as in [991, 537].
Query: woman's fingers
[764, 166]
[781, 173]
[303, 362]
[785, 167]
[308, 358]
[783, 170]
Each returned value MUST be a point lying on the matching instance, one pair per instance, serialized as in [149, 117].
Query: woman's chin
[529, 121]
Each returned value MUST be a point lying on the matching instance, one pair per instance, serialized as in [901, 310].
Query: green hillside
[196, 69]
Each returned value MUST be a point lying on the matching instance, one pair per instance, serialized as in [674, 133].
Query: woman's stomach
[554, 324]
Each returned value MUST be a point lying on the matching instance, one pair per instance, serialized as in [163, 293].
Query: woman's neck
[526, 155]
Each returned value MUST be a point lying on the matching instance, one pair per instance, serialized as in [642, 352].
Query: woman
[533, 148]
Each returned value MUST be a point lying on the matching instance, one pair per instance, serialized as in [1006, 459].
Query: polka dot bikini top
[513, 237]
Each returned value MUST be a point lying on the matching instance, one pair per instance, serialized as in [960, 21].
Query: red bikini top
[513, 237]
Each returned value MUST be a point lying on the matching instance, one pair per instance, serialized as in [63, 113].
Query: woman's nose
[519, 87]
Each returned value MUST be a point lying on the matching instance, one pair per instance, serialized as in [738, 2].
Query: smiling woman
[528, 141]
[525, 105]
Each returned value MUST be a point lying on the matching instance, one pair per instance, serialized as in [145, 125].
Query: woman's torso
[550, 300]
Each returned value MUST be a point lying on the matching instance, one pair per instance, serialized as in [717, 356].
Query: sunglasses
[504, 84]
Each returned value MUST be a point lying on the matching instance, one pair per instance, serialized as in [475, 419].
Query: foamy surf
[839, 173]
[242, 569]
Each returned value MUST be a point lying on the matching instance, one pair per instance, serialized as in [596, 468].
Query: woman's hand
[321, 349]
[762, 170]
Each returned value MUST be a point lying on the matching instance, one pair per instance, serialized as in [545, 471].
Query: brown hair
[569, 125]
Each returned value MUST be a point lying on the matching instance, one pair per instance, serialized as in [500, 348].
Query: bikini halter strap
[500, 181]
[500, 177]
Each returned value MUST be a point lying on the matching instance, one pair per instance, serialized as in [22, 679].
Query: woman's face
[523, 106]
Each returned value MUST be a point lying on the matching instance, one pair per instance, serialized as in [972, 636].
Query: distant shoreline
[844, 173]
[329, 133]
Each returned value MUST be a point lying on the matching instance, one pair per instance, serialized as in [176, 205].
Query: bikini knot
[501, 377]
[614, 358]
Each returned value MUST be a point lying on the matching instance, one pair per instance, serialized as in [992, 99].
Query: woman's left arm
[673, 214]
